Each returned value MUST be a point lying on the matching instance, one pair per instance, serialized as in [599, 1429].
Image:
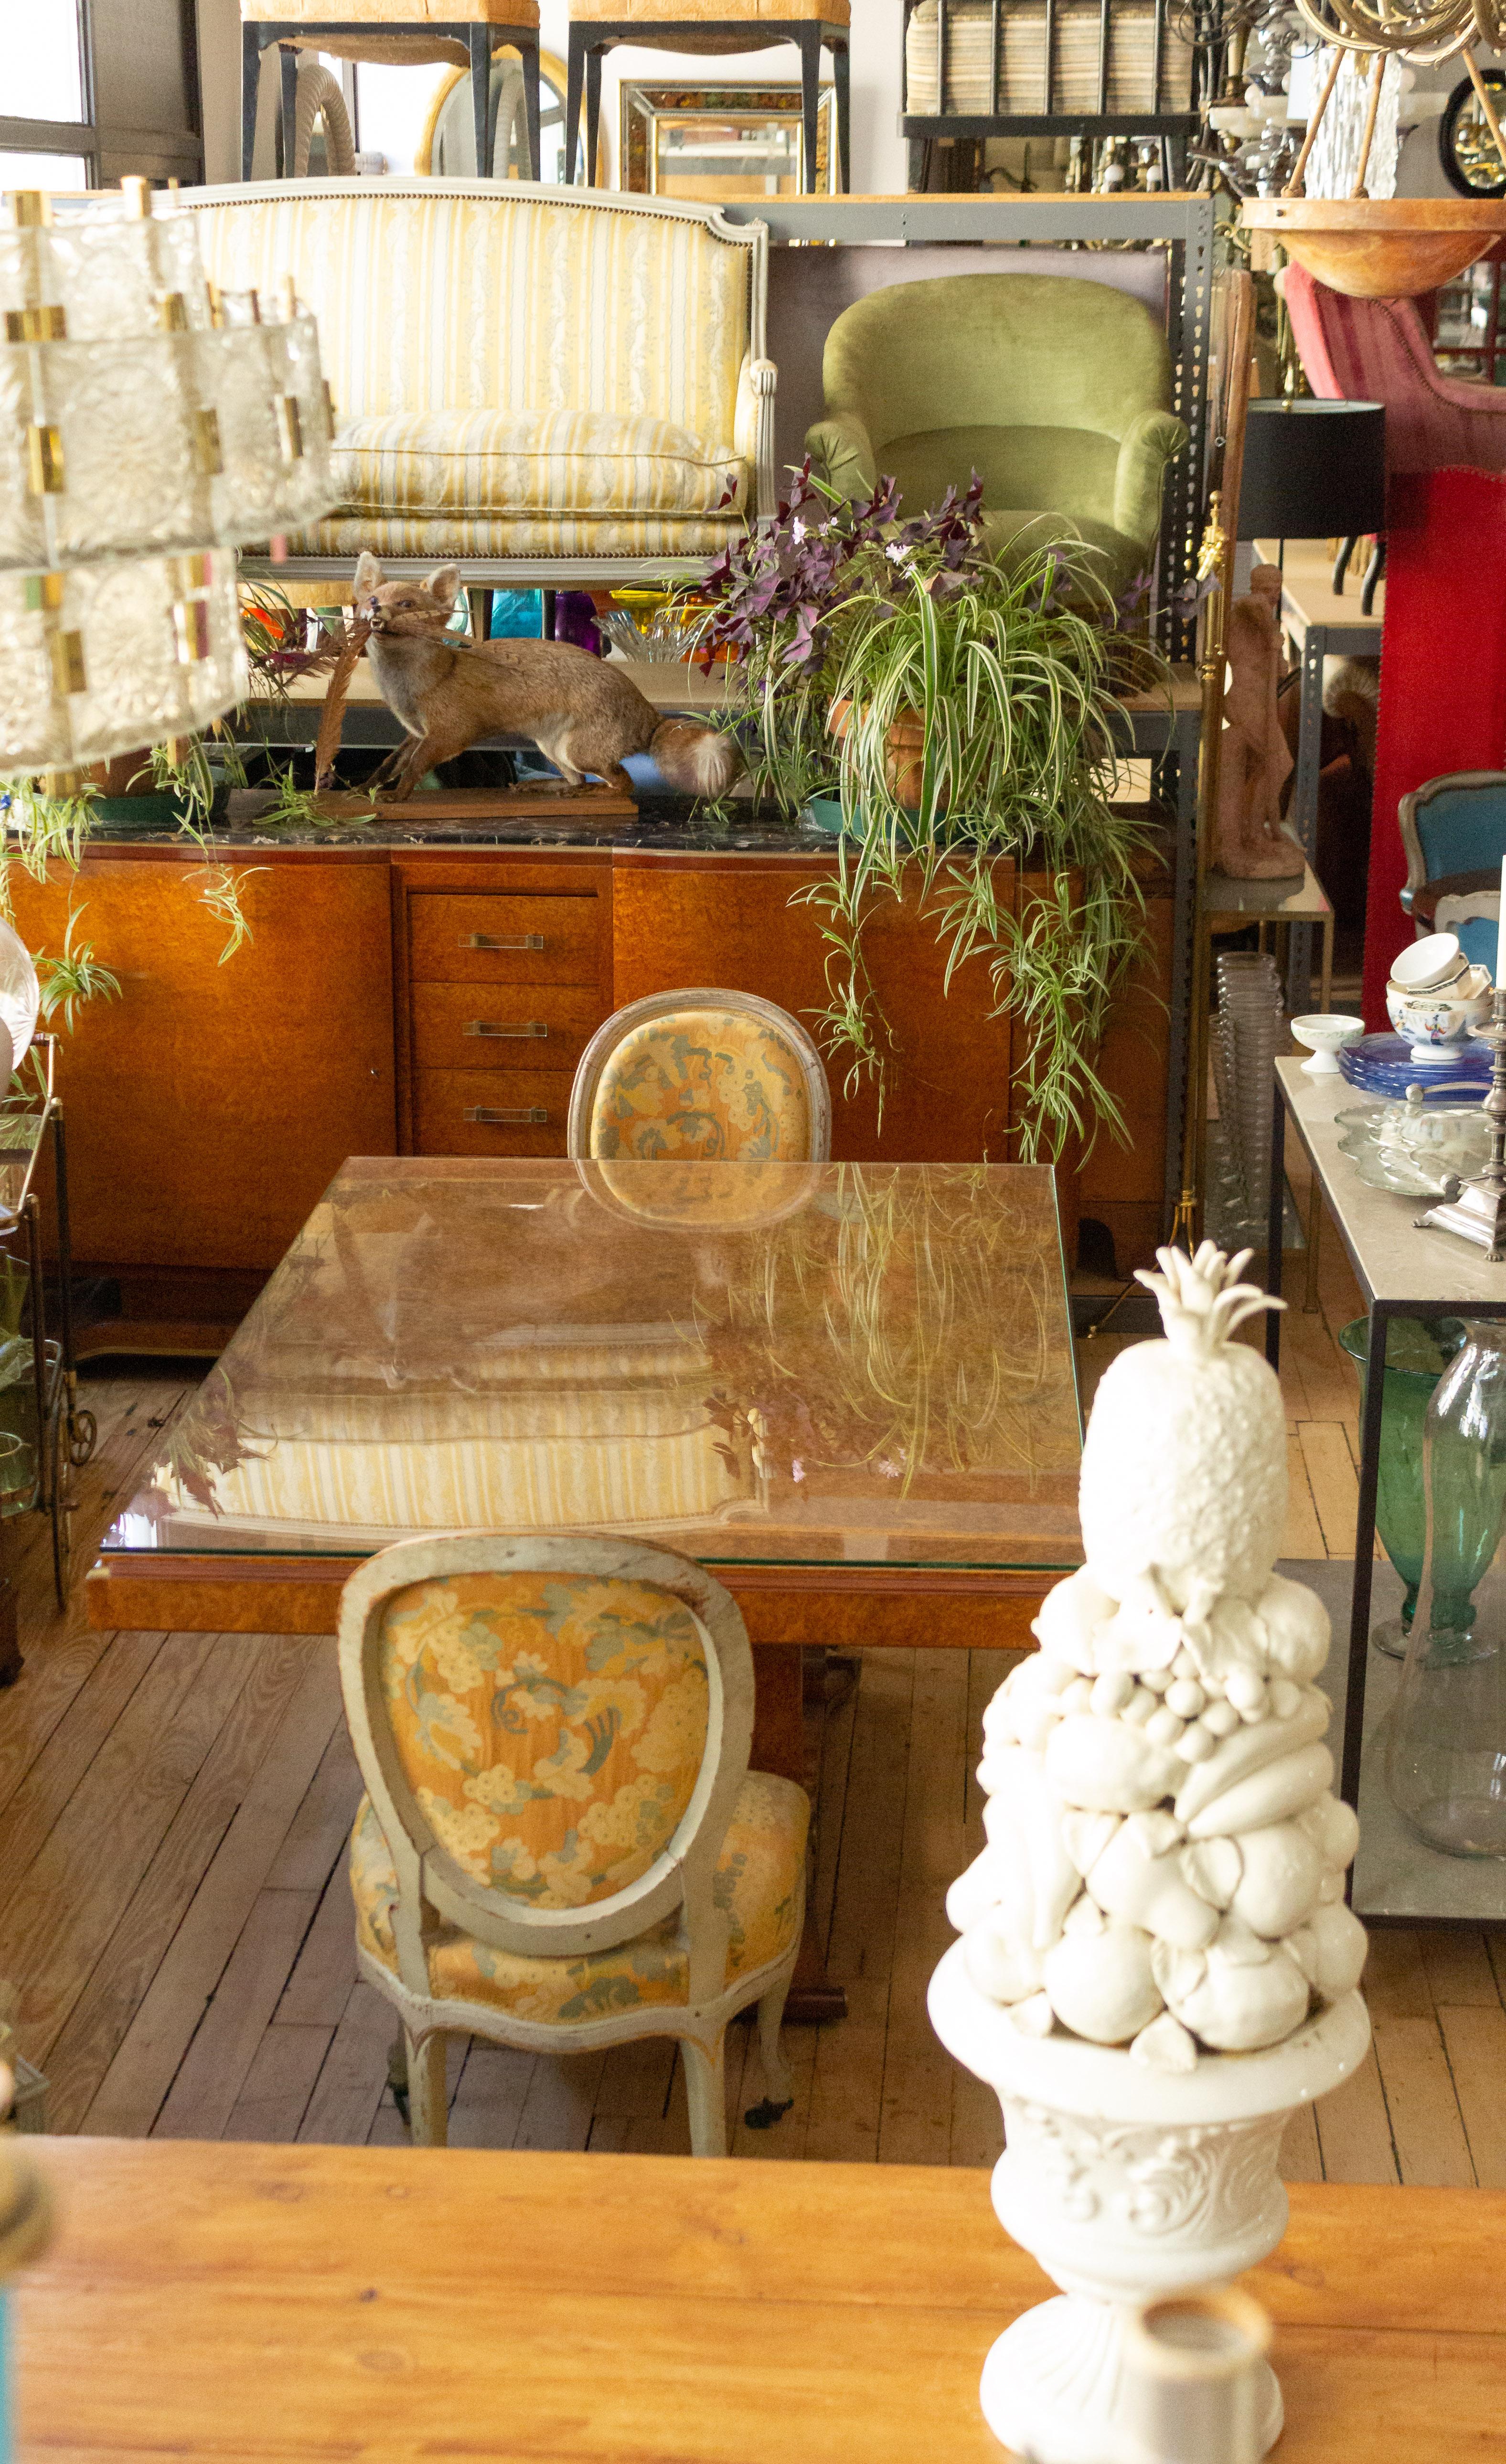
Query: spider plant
[1008, 668]
[66, 983]
[36, 828]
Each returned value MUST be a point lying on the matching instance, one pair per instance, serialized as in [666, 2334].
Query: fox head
[405, 608]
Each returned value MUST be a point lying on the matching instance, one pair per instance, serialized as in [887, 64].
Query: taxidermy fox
[582, 713]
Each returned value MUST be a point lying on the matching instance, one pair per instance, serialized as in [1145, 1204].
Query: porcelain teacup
[1436, 1022]
[1430, 964]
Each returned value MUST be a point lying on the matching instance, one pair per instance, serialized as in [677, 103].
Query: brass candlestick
[1478, 1213]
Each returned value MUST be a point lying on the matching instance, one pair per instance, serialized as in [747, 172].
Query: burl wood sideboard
[431, 997]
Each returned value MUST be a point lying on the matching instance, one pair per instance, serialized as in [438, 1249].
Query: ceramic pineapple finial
[1165, 1858]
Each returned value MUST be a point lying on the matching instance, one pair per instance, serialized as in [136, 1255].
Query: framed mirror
[1468, 153]
[446, 148]
[726, 140]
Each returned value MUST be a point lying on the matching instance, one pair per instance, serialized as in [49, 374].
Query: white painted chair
[561, 1846]
[702, 1075]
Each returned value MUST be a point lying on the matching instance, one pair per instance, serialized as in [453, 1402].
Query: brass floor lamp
[1234, 312]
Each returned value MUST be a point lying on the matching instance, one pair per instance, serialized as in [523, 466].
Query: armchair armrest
[841, 452]
[1146, 447]
[753, 435]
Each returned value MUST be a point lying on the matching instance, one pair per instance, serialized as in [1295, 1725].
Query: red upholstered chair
[1377, 350]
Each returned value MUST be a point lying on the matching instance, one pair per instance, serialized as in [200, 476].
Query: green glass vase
[1446, 1738]
[1417, 1352]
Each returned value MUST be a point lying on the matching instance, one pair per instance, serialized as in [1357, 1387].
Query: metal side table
[1402, 1272]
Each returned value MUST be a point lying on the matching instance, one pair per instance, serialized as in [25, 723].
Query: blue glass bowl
[1383, 1065]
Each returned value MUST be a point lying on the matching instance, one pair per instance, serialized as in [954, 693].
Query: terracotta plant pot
[905, 764]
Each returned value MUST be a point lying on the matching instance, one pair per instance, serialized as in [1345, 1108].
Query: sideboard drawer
[500, 1112]
[482, 938]
[502, 1026]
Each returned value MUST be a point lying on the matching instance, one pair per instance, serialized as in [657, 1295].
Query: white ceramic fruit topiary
[1157, 1920]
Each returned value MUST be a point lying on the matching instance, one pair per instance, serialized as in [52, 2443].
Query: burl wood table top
[233, 2301]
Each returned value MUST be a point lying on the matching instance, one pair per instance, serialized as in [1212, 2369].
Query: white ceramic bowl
[1325, 1032]
[1424, 965]
[1437, 1024]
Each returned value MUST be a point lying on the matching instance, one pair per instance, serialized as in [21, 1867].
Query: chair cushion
[396, 12]
[720, 1085]
[530, 534]
[749, 13]
[551, 1726]
[758, 1885]
[430, 463]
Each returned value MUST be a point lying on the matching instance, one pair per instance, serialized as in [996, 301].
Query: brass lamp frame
[1215, 566]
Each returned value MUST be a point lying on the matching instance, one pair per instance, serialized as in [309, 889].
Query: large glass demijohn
[1445, 1748]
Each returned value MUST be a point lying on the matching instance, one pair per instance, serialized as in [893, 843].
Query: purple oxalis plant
[799, 569]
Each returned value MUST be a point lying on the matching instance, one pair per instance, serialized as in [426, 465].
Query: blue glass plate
[1383, 1065]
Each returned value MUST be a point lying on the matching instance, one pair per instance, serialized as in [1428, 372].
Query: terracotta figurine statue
[1256, 760]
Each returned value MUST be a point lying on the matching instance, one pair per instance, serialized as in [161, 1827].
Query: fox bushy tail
[698, 761]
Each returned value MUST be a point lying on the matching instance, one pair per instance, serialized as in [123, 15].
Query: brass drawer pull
[490, 1027]
[533, 1114]
[505, 941]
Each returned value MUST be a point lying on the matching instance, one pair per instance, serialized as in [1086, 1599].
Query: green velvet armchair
[1056, 390]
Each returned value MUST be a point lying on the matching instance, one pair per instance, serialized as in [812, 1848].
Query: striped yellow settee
[521, 375]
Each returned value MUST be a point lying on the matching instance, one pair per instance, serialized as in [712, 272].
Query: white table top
[1394, 1262]
[1308, 596]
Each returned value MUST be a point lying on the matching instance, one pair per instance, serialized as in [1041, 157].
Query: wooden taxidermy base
[463, 808]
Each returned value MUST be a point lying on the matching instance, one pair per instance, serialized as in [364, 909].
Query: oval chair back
[701, 1076]
[552, 1733]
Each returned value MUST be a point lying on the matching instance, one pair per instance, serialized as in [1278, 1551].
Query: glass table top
[759, 1364]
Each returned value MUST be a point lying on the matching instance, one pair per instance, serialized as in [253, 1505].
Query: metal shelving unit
[44, 1435]
[922, 129]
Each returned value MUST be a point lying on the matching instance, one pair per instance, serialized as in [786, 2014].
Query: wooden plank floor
[173, 1911]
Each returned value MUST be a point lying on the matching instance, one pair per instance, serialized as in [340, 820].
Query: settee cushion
[428, 464]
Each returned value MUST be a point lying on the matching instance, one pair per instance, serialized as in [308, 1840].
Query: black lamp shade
[1312, 470]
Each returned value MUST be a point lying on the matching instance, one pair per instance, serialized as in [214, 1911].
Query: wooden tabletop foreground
[306, 2302]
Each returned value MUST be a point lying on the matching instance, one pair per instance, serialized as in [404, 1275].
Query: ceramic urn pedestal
[1157, 1965]
[1126, 2183]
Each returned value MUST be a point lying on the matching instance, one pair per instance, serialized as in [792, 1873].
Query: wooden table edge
[967, 1606]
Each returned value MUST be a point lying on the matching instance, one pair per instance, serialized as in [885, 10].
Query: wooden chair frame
[431, 1883]
[1448, 782]
[659, 1006]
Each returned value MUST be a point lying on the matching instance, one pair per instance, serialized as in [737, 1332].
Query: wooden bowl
[1380, 247]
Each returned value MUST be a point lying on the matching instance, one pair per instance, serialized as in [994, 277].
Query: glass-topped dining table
[847, 1390]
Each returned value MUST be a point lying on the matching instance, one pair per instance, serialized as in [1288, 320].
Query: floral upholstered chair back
[704, 1076]
[552, 1733]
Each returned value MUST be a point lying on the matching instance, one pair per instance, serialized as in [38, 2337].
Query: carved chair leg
[705, 2086]
[428, 2112]
[779, 2088]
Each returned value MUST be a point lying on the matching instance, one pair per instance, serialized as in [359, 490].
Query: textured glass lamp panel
[152, 644]
[309, 490]
[23, 532]
[139, 687]
[35, 728]
[208, 621]
[124, 416]
[250, 494]
[110, 274]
